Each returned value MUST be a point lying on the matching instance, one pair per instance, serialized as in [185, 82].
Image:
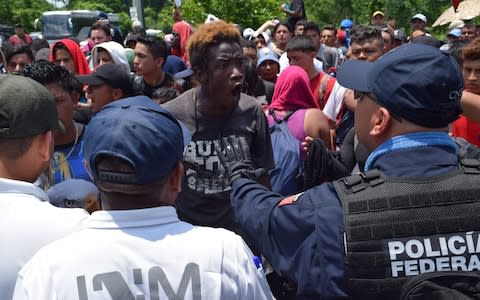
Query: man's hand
[234, 155]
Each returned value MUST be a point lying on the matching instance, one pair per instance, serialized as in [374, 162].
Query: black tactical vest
[398, 228]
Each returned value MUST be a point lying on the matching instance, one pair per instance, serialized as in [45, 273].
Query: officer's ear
[381, 121]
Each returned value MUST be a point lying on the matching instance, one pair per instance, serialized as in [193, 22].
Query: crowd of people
[292, 161]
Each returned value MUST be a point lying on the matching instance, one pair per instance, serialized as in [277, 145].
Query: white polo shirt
[28, 222]
[146, 253]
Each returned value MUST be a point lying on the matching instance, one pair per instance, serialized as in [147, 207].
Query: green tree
[22, 11]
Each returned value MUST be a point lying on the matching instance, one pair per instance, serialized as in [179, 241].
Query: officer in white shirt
[137, 248]
[28, 117]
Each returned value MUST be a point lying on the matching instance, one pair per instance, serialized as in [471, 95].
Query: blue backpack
[287, 176]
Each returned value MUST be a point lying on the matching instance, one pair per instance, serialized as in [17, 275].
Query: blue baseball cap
[346, 23]
[139, 131]
[456, 32]
[416, 82]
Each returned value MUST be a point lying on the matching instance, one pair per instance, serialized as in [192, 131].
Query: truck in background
[60, 24]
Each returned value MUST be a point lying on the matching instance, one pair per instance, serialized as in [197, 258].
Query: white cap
[420, 17]
[248, 33]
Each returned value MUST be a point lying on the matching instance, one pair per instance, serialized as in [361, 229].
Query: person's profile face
[364, 111]
[299, 29]
[471, 75]
[64, 103]
[144, 62]
[100, 95]
[387, 41]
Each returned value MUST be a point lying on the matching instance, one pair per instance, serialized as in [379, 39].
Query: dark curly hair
[46, 72]
[208, 35]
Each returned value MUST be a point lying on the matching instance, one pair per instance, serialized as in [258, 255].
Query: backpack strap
[289, 113]
[470, 165]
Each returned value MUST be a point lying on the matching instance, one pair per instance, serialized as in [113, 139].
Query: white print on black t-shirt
[455, 252]
[203, 170]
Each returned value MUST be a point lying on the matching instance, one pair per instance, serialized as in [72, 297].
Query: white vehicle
[60, 24]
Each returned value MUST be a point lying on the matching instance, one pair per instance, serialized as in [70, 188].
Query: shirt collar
[21, 187]
[109, 219]
[408, 141]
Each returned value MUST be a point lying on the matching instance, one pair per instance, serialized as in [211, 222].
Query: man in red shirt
[20, 37]
[465, 127]
[183, 31]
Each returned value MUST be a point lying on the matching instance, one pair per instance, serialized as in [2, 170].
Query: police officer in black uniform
[413, 213]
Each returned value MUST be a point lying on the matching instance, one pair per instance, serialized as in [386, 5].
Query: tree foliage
[22, 11]
[247, 13]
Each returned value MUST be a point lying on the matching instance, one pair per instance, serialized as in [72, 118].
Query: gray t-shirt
[205, 196]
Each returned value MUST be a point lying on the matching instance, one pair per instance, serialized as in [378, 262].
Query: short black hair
[283, 23]
[38, 44]
[156, 46]
[362, 33]
[301, 43]
[248, 44]
[301, 22]
[46, 72]
[21, 49]
[330, 27]
[312, 26]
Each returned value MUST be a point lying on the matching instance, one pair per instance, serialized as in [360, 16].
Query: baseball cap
[346, 23]
[113, 75]
[139, 131]
[71, 193]
[265, 54]
[414, 81]
[400, 35]
[420, 17]
[26, 108]
[184, 74]
[248, 33]
[378, 12]
[456, 32]
[102, 15]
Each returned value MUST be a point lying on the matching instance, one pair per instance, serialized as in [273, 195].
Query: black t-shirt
[140, 87]
[205, 196]
[294, 6]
